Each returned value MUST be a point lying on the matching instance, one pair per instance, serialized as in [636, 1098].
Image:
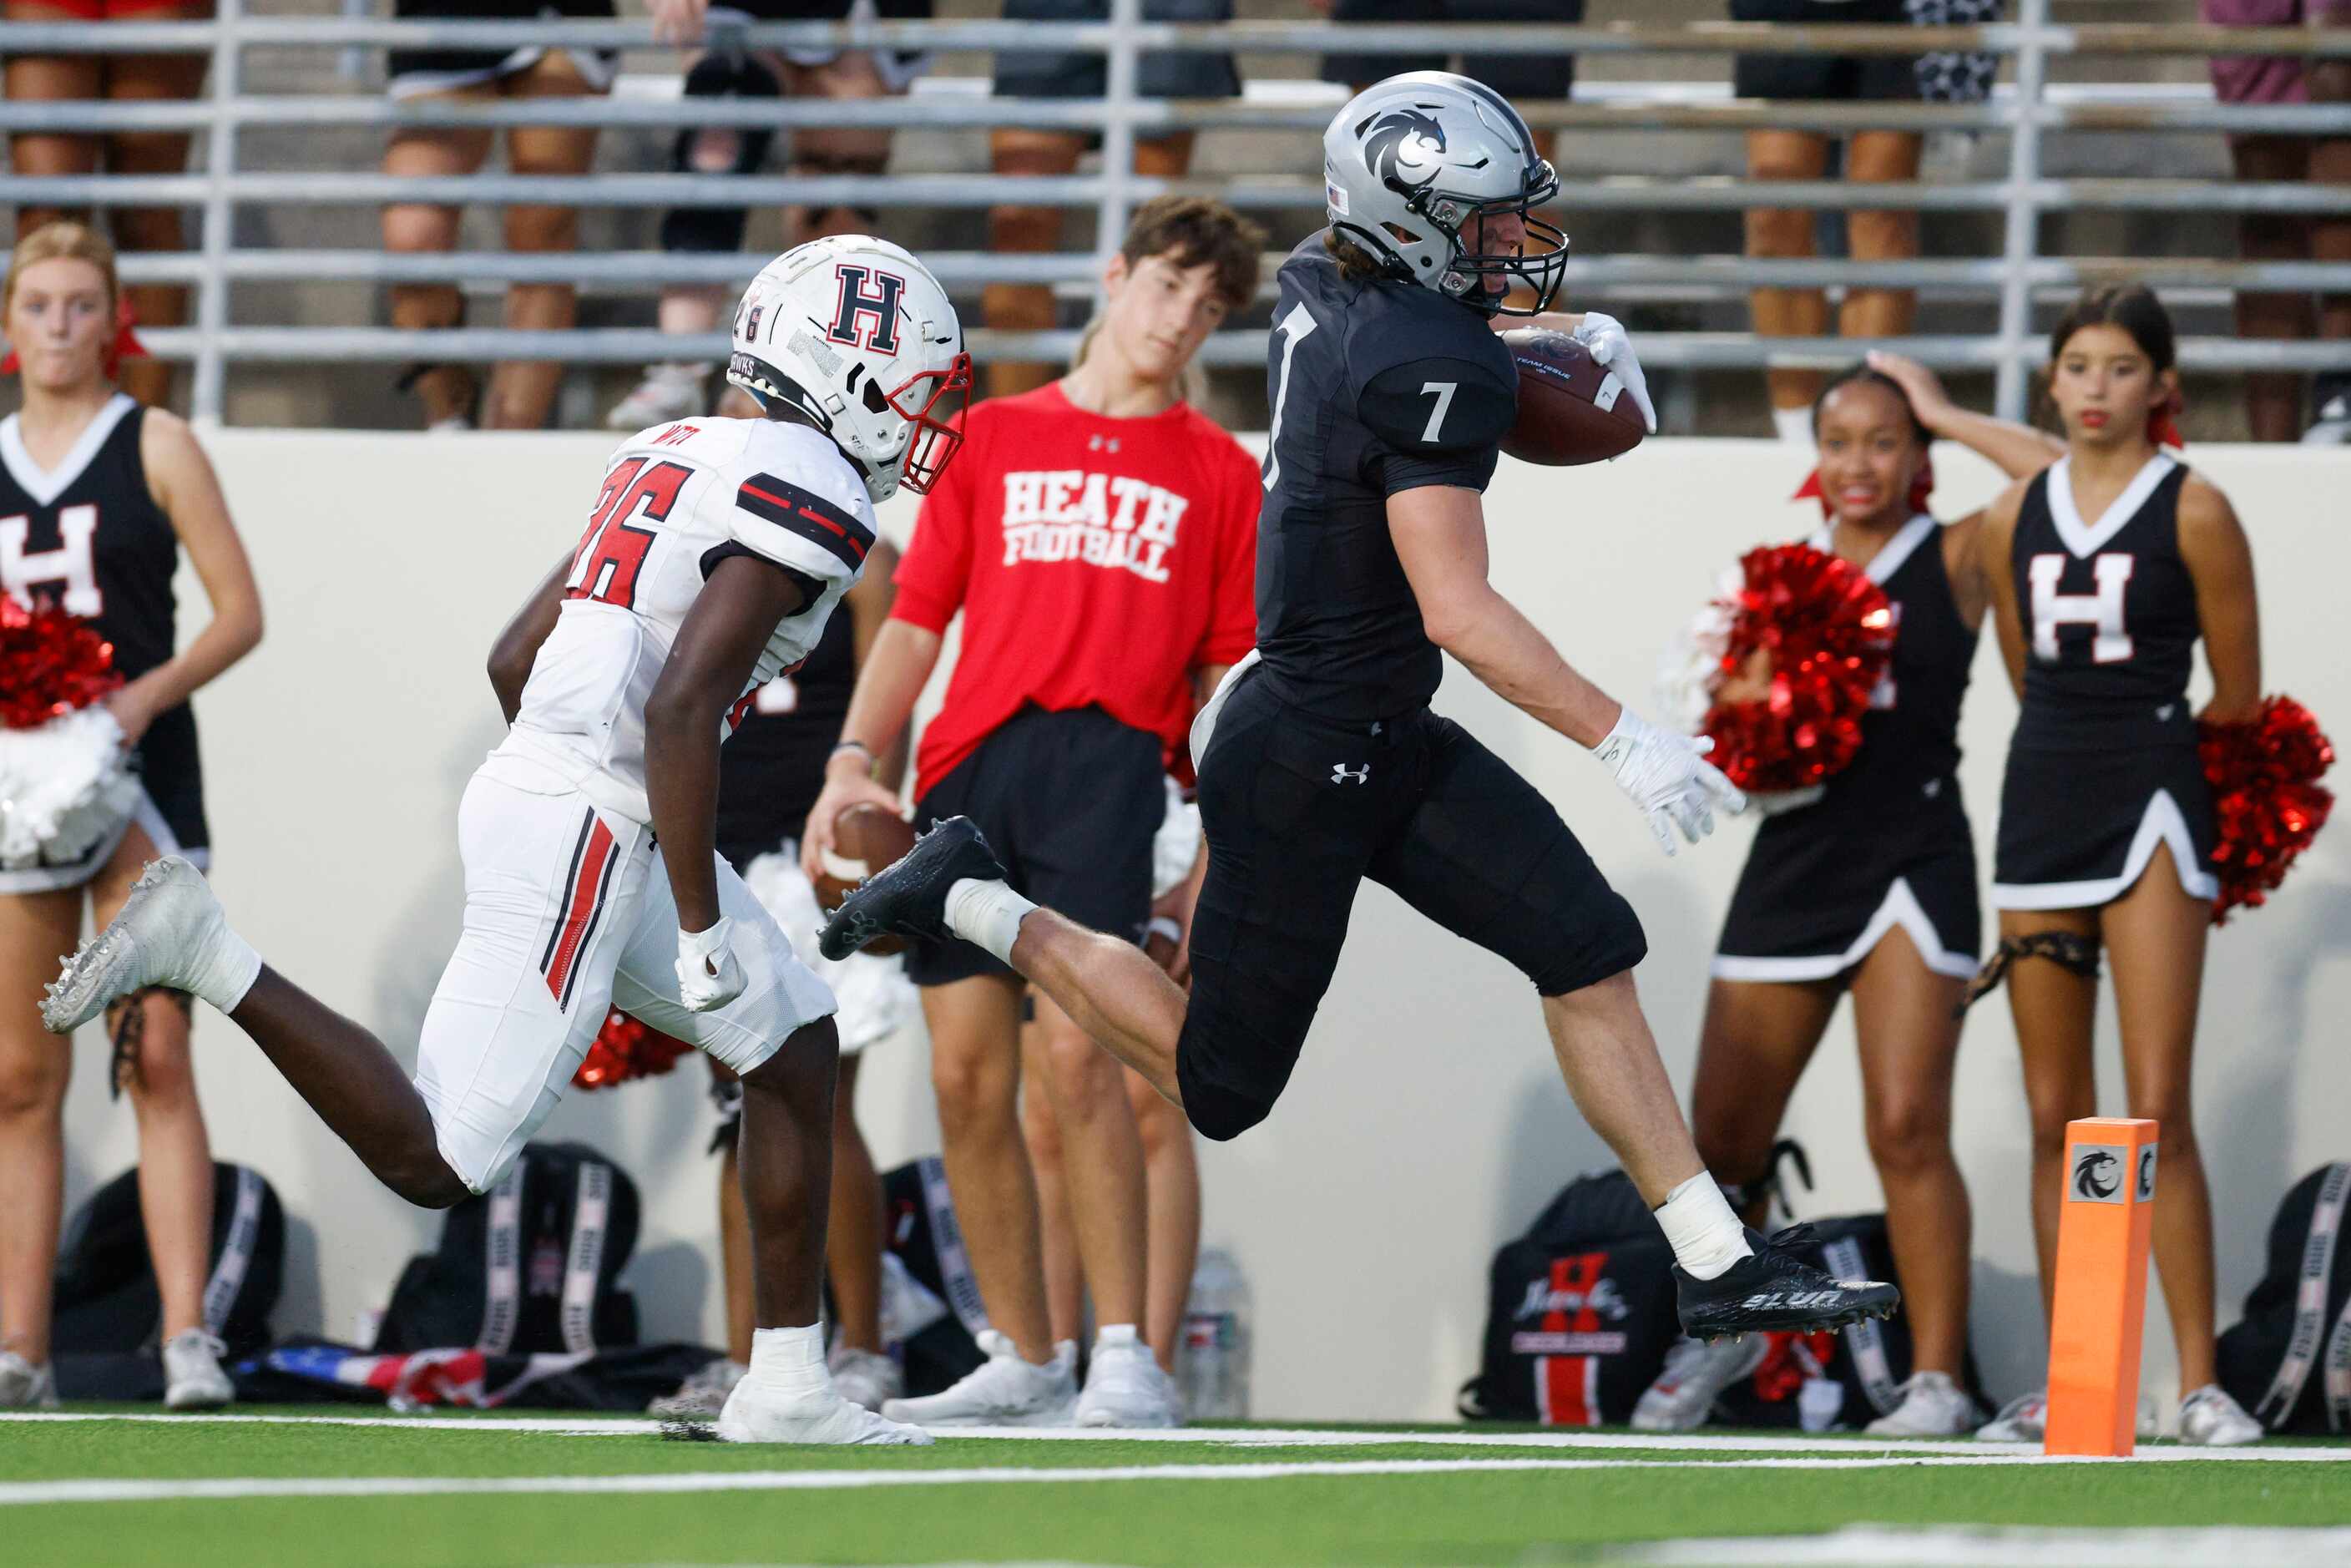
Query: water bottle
[1212, 1364]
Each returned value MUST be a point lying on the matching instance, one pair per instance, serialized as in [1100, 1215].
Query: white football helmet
[856, 334]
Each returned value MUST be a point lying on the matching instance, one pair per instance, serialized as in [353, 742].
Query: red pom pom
[50, 664]
[2267, 803]
[625, 1049]
[1828, 631]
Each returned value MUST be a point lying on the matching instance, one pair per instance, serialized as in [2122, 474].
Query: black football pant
[1297, 812]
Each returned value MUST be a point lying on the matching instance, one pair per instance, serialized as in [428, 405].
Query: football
[1571, 409]
[865, 838]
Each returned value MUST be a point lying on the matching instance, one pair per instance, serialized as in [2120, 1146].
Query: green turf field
[488, 1490]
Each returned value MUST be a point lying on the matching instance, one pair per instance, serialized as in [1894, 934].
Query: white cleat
[172, 933]
[701, 1396]
[758, 1412]
[1695, 1376]
[669, 392]
[1933, 1406]
[2023, 1419]
[24, 1386]
[2211, 1418]
[193, 1378]
[1125, 1384]
[865, 1377]
[1005, 1391]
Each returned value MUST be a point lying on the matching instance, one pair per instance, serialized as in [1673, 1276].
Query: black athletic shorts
[1528, 75]
[1070, 802]
[1027, 73]
[1299, 810]
[1824, 78]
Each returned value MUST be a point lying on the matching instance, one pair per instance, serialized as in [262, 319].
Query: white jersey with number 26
[677, 500]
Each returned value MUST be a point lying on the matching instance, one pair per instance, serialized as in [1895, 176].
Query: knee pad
[1218, 1112]
[719, 228]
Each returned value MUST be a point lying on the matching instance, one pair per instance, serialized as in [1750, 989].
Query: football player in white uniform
[715, 549]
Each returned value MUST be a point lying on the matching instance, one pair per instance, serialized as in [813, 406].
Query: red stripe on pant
[1567, 1390]
[581, 905]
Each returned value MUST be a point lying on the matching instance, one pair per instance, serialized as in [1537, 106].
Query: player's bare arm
[2221, 560]
[181, 479]
[708, 666]
[891, 676]
[516, 649]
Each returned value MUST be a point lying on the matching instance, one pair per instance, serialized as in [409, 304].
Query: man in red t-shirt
[1099, 537]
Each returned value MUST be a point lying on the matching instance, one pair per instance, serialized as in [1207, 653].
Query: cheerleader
[97, 497]
[2112, 564]
[1867, 885]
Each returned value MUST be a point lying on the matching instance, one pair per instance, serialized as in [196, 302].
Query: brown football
[1571, 409]
[864, 839]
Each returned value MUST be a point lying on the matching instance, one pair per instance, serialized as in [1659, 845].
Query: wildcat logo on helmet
[857, 309]
[1405, 149]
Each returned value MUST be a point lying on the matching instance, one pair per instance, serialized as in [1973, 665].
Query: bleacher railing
[2026, 112]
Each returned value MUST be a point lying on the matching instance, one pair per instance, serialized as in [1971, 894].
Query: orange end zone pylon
[2101, 1298]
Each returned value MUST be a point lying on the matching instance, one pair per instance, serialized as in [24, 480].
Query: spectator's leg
[2272, 399]
[34, 927]
[445, 391]
[1880, 157]
[1778, 233]
[836, 150]
[522, 393]
[38, 78]
[1025, 231]
[2330, 165]
[148, 78]
[1065, 1282]
[1108, 1194]
[856, 1236]
[1171, 1173]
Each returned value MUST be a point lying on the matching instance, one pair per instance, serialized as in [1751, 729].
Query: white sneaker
[193, 1378]
[759, 1411]
[1932, 1406]
[668, 391]
[2210, 1418]
[23, 1384]
[1695, 1376]
[170, 932]
[865, 1377]
[701, 1396]
[2023, 1419]
[1005, 1391]
[1124, 1386]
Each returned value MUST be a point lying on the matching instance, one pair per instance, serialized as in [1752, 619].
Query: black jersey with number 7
[1377, 387]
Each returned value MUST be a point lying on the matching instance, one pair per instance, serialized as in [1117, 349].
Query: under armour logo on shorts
[1341, 774]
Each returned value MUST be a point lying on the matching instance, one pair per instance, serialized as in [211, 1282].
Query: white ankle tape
[987, 914]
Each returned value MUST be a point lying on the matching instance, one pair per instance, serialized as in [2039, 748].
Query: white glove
[1668, 778]
[1604, 336]
[707, 973]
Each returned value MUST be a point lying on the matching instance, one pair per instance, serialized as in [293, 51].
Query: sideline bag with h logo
[2289, 1361]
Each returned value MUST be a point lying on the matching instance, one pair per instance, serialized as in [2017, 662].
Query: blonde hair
[63, 239]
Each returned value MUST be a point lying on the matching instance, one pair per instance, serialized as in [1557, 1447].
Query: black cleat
[1776, 1289]
[910, 898]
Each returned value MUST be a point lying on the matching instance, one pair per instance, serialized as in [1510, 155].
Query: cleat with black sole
[1777, 1289]
[910, 898]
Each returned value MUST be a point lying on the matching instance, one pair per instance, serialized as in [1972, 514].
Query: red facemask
[935, 442]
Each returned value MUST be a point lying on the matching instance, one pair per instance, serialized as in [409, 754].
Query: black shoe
[1776, 1289]
[910, 898]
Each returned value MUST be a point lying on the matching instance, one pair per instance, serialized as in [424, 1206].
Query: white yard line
[1874, 1546]
[18, 1494]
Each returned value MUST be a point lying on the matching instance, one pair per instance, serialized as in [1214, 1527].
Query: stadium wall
[1425, 1123]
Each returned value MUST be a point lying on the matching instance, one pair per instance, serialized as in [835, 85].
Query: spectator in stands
[80, 450]
[1026, 151]
[121, 78]
[1871, 157]
[2273, 399]
[676, 389]
[1099, 536]
[522, 392]
[1516, 77]
[1171, 1167]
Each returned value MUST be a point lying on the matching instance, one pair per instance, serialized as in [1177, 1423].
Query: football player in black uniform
[98, 496]
[1320, 761]
[2107, 570]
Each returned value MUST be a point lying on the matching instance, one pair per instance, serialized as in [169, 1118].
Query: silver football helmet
[1413, 160]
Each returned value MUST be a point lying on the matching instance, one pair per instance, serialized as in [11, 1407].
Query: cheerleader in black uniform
[97, 495]
[2112, 564]
[1867, 885]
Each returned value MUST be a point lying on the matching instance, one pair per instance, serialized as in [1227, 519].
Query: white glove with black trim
[1605, 337]
[1668, 778]
[708, 975]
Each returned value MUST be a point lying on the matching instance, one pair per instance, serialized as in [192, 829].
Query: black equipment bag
[1580, 1311]
[938, 1323]
[2289, 1361]
[105, 1300]
[526, 1267]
